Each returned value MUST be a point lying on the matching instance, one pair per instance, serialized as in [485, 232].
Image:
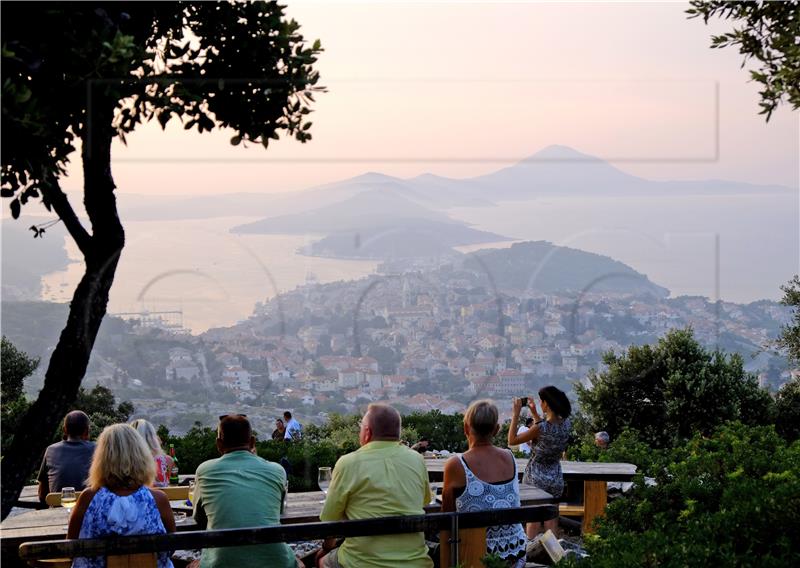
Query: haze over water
[217, 278]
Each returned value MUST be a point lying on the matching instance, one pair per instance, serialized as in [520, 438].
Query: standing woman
[118, 499]
[549, 436]
[163, 461]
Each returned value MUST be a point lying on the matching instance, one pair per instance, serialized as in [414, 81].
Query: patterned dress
[544, 468]
[507, 541]
[109, 514]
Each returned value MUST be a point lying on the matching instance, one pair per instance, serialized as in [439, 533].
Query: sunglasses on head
[224, 416]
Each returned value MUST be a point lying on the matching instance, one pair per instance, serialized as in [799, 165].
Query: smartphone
[524, 400]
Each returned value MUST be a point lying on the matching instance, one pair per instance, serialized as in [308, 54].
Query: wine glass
[433, 494]
[68, 500]
[324, 480]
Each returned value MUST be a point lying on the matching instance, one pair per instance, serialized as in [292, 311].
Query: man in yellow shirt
[383, 478]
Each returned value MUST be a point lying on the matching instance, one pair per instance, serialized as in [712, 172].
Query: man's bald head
[384, 421]
[76, 424]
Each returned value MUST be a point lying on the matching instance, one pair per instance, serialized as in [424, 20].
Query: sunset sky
[460, 89]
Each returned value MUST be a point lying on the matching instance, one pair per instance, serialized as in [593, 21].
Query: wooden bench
[467, 547]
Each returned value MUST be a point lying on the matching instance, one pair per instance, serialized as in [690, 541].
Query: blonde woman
[163, 461]
[484, 478]
[118, 499]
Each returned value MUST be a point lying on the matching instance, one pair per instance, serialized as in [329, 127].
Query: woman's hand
[532, 407]
[516, 406]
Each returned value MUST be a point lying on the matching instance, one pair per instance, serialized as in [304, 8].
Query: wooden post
[146, 560]
[471, 548]
[595, 497]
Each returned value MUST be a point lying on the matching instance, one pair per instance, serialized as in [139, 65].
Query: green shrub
[626, 448]
[669, 391]
[731, 499]
[787, 410]
[443, 431]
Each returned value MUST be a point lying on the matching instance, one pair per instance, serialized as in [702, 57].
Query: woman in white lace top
[485, 477]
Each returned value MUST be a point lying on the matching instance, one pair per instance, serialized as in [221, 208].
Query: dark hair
[234, 431]
[76, 423]
[529, 422]
[279, 420]
[556, 400]
[287, 415]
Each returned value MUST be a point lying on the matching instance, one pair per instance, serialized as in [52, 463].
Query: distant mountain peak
[371, 177]
[559, 153]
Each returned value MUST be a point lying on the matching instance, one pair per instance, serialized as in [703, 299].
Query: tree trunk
[70, 358]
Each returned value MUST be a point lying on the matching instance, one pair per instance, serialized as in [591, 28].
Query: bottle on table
[173, 472]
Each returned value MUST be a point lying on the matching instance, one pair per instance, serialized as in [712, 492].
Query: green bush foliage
[787, 410]
[625, 448]
[731, 499]
[16, 366]
[443, 431]
[670, 391]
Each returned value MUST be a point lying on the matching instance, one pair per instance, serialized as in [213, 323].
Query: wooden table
[594, 476]
[47, 524]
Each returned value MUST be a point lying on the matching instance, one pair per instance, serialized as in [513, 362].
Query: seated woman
[117, 500]
[163, 461]
[549, 435]
[485, 477]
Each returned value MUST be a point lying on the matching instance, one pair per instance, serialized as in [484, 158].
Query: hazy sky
[460, 89]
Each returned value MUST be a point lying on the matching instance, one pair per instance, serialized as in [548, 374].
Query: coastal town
[423, 339]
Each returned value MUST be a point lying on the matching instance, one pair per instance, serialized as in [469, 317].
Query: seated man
[383, 478]
[66, 463]
[239, 490]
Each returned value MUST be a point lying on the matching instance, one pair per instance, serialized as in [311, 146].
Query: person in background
[601, 440]
[66, 463]
[163, 462]
[279, 433]
[382, 478]
[484, 478]
[550, 433]
[421, 446]
[119, 500]
[294, 431]
[240, 490]
[526, 447]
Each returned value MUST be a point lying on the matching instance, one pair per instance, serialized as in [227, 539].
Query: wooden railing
[190, 540]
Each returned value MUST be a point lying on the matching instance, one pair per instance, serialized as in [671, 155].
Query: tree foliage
[789, 340]
[16, 367]
[236, 65]
[767, 32]
[669, 391]
[787, 410]
[90, 72]
[730, 499]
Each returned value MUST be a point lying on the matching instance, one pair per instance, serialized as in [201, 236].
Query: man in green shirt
[383, 478]
[240, 490]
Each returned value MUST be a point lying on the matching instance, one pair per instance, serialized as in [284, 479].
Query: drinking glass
[68, 499]
[324, 480]
[433, 494]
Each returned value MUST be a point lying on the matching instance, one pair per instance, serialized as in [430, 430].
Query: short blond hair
[121, 460]
[482, 417]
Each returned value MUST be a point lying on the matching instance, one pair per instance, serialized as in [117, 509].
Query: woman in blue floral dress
[549, 435]
[118, 499]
